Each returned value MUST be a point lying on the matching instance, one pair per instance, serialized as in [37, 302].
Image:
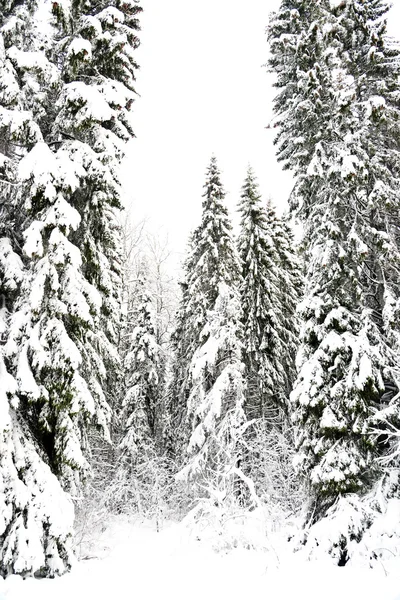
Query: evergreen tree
[269, 295]
[372, 62]
[213, 257]
[35, 515]
[291, 285]
[142, 367]
[215, 387]
[184, 343]
[64, 331]
[302, 104]
[342, 359]
[98, 43]
[215, 407]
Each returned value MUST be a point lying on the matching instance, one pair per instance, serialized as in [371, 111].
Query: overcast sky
[203, 90]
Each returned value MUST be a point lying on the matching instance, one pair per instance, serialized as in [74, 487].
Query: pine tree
[269, 296]
[215, 387]
[342, 361]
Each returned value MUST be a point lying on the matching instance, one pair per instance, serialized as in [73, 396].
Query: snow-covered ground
[132, 561]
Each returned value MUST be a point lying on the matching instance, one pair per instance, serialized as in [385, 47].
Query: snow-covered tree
[323, 118]
[63, 335]
[36, 516]
[269, 294]
[215, 385]
[291, 285]
[213, 258]
[216, 399]
[302, 104]
[142, 373]
[94, 123]
[184, 343]
[371, 119]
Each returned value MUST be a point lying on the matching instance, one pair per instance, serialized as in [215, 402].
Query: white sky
[203, 90]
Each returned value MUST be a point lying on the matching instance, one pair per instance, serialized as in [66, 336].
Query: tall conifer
[215, 384]
[342, 360]
[35, 515]
[269, 293]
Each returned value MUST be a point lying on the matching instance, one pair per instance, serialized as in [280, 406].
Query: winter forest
[252, 402]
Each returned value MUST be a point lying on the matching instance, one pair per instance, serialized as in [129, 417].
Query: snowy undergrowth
[146, 493]
[226, 527]
[133, 560]
[355, 532]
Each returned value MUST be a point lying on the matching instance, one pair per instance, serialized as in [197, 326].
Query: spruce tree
[370, 116]
[184, 341]
[302, 104]
[269, 294]
[291, 286]
[98, 75]
[35, 515]
[142, 368]
[64, 331]
[341, 361]
[215, 384]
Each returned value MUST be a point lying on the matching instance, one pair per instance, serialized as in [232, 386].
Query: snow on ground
[133, 561]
